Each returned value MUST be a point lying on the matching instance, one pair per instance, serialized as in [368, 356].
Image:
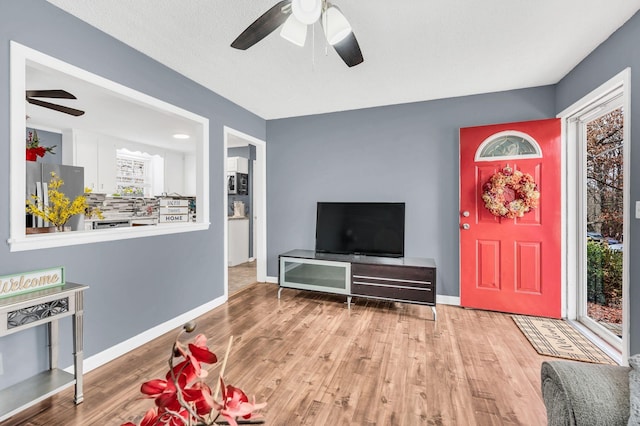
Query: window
[139, 174]
[509, 144]
[114, 106]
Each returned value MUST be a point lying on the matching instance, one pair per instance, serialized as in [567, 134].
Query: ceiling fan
[58, 94]
[296, 15]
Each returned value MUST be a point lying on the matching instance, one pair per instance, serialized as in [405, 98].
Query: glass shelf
[313, 274]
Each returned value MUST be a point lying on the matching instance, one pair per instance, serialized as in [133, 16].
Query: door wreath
[510, 193]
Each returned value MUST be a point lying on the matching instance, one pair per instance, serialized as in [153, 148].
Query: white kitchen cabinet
[106, 165]
[238, 247]
[174, 173]
[97, 154]
[86, 155]
[190, 166]
[238, 164]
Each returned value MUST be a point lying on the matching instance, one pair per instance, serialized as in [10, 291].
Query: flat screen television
[374, 229]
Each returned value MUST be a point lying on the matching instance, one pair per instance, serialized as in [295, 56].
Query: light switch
[637, 209]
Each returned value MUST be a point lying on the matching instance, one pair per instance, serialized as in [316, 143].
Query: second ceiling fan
[296, 15]
[55, 94]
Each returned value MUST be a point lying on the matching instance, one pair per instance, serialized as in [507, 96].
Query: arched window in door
[508, 145]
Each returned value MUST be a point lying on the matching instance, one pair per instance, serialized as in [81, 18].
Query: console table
[28, 310]
[404, 279]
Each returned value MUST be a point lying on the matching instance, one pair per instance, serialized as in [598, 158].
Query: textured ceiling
[414, 50]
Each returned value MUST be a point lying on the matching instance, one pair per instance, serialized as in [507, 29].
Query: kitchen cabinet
[86, 155]
[238, 236]
[174, 173]
[97, 154]
[238, 164]
[106, 165]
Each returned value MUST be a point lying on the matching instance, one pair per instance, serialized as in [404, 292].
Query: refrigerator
[38, 177]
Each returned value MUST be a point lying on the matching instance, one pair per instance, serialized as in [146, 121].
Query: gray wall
[406, 153]
[611, 57]
[133, 285]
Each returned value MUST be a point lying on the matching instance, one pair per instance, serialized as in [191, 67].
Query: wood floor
[318, 363]
[241, 276]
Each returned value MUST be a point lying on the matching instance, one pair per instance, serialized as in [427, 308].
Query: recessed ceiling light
[181, 136]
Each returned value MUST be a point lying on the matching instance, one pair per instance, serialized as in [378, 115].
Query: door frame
[573, 204]
[259, 205]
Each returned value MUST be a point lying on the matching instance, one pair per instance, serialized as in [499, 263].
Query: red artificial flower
[182, 384]
[31, 155]
[34, 149]
[235, 404]
[163, 391]
[198, 352]
[200, 395]
[173, 419]
[149, 419]
[184, 373]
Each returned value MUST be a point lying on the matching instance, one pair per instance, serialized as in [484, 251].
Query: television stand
[401, 279]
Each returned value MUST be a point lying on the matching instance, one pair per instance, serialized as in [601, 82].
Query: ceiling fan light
[294, 31]
[307, 11]
[336, 26]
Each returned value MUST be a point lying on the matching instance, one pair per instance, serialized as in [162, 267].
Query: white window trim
[573, 239]
[522, 135]
[18, 240]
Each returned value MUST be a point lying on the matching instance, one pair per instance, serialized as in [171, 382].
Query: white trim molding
[442, 299]
[259, 212]
[135, 342]
[22, 57]
[614, 93]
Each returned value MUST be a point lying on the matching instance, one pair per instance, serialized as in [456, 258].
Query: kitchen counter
[122, 222]
[238, 240]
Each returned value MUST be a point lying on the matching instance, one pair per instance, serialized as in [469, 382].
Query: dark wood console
[409, 280]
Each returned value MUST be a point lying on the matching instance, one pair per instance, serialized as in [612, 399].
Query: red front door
[511, 265]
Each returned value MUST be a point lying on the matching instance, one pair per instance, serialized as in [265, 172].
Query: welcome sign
[12, 285]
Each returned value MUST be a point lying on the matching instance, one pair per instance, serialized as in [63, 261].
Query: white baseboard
[128, 345]
[447, 300]
[273, 280]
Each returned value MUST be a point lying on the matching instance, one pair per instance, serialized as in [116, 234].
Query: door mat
[558, 339]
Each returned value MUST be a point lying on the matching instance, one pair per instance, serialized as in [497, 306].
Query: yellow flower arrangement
[60, 208]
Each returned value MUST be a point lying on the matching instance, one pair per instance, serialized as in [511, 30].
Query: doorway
[251, 229]
[597, 215]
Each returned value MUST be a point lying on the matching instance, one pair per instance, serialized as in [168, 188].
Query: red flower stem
[181, 400]
[224, 364]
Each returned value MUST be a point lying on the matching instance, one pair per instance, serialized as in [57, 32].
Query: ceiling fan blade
[60, 94]
[66, 110]
[349, 50]
[263, 26]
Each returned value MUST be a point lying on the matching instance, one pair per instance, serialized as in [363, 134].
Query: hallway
[241, 276]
